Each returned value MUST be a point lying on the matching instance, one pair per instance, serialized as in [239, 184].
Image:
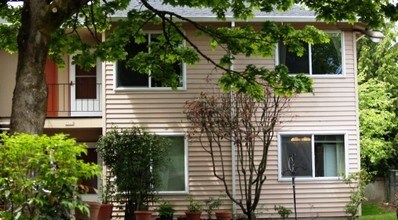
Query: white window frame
[343, 60]
[312, 134]
[150, 88]
[186, 185]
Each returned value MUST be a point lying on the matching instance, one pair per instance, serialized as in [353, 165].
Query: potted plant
[134, 157]
[93, 206]
[166, 211]
[210, 205]
[105, 211]
[223, 215]
[194, 209]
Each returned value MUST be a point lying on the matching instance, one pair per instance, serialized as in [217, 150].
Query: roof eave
[302, 19]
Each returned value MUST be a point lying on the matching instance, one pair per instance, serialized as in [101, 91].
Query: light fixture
[300, 139]
[375, 36]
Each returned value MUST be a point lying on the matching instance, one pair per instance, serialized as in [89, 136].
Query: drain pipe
[233, 148]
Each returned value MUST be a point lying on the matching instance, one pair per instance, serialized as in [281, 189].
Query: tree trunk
[29, 103]
[39, 19]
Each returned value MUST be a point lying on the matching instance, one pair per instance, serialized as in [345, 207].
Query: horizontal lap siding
[162, 112]
[332, 107]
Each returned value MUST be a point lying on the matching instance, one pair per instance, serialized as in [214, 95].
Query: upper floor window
[318, 59]
[131, 79]
[315, 156]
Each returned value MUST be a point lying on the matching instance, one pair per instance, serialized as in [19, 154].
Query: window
[127, 78]
[174, 176]
[86, 83]
[314, 155]
[318, 59]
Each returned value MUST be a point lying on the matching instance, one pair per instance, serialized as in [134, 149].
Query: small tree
[39, 176]
[249, 124]
[134, 156]
[378, 101]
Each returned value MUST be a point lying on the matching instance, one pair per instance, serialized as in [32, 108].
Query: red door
[51, 71]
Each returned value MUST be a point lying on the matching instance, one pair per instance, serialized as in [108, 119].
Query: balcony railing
[71, 99]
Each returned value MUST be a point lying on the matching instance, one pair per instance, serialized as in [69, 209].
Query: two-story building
[321, 128]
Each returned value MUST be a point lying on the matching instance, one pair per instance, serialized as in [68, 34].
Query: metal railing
[70, 99]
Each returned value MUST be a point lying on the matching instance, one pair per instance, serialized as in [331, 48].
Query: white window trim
[186, 185]
[89, 103]
[149, 88]
[343, 60]
[346, 163]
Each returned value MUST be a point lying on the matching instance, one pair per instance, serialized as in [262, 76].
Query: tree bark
[29, 103]
[39, 19]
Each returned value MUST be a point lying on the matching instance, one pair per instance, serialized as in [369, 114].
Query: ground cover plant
[377, 212]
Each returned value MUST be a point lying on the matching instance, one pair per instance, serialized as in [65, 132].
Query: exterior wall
[332, 108]
[8, 62]
[8, 65]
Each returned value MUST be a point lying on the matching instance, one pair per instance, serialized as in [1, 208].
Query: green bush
[39, 176]
[135, 157]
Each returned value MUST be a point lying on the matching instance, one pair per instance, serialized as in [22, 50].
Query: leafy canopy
[110, 35]
[378, 93]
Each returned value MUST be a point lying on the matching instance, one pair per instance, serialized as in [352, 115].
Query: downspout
[233, 148]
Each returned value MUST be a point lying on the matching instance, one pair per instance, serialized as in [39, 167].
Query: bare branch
[243, 121]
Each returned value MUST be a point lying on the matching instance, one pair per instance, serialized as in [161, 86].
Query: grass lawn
[377, 212]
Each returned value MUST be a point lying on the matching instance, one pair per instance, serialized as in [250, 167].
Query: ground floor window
[174, 176]
[313, 155]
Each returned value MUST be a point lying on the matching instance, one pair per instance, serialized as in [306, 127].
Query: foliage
[61, 24]
[135, 157]
[39, 176]
[194, 206]
[249, 125]
[107, 190]
[374, 209]
[283, 211]
[210, 204]
[166, 209]
[377, 68]
[357, 182]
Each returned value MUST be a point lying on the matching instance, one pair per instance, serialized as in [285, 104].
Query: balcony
[74, 100]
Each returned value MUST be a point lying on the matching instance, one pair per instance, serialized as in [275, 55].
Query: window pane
[165, 70]
[86, 88]
[127, 77]
[173, 177]
[300, 147]
[295, 63]
[86, 83]
[326, 58]
[329, 155]
[176, 68]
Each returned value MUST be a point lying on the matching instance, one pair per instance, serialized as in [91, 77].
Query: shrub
[39, 176]
[135, 157]
[166, 210]
[283, 211]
